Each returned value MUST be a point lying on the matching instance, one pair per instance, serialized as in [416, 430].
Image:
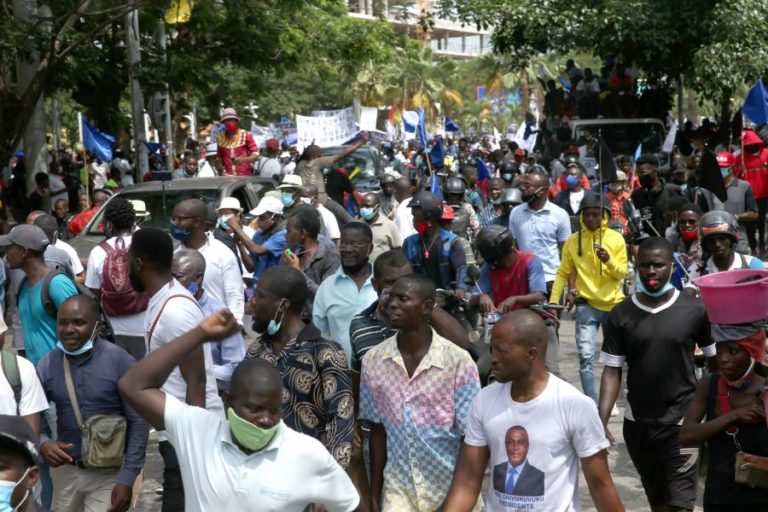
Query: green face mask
[249, 435]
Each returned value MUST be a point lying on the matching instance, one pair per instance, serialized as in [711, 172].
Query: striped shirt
[365, 332]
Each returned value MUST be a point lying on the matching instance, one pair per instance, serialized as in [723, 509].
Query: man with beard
[172, 312]
[317, 400]
[348, 291]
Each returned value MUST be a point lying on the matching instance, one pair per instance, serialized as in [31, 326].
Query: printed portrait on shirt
[516, 481]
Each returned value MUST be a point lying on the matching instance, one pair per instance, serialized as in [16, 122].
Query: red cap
[447, 213]
[726, 159]
[519, 154]
[272, 144]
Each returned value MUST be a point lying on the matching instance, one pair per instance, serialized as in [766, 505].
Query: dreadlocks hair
[120, 213]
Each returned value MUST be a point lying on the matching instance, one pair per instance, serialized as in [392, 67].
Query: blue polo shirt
[541, 232]
[275, 244]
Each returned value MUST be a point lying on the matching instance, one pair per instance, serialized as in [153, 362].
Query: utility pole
[167, 121]
[132, 43]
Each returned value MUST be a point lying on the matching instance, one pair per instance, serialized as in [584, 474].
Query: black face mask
[135, 280]
[646, 180]
[529, 198]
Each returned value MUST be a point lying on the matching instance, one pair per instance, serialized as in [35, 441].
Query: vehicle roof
[193, 183]
[614, 120]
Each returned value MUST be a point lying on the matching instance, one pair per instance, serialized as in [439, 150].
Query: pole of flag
[85, 159]
[599, 189]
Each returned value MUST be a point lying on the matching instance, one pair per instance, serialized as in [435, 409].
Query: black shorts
[668, 473]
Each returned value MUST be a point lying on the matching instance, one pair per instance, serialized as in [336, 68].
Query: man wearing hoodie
[598, 255]
[752, 166]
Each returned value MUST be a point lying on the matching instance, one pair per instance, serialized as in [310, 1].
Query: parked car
[368, 160]
[160, 197]
[623, 136]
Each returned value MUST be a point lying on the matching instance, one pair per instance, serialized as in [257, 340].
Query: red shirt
[513, 281]
[79, 221]
[239, 145]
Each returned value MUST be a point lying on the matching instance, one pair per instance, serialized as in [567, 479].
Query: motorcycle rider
[466, 223]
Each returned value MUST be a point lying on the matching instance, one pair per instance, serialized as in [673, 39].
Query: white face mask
[223, 221]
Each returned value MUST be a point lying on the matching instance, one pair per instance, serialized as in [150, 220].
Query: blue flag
[434, 186]
[638, 151]
[756, 105]
[99, 144]
[152, 147]
[450, 126]
[421, 129]
[482, 171]
[436, 155]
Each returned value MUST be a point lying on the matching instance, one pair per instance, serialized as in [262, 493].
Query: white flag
[669, 142]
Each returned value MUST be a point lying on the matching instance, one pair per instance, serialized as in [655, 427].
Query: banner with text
[332, 130]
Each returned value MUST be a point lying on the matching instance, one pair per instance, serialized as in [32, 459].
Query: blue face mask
[274, 325]
[179, 233]
[663, 290]
[684, 187]
[6, 494]
[367, 213]
[725, 172]
[87, 346]
[507, 177]
[193, 288]
[286, 198]
[572, 181]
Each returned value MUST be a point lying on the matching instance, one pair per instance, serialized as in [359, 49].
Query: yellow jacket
[598, 283]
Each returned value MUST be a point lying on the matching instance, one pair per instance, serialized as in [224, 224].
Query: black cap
[15, 433]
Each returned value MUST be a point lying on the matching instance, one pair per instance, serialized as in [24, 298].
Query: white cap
[291, 181]
[268, 204]
[285, 154]
[211, 148]
[230, 203]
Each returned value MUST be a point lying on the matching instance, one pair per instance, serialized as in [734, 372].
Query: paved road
[624, 475]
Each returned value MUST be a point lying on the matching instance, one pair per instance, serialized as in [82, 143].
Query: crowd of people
[382, 351]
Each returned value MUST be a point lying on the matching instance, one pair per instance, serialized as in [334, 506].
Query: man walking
[348, 291]
[598, 255]
[172, 311]
[81, 377]
[415, 389]
[318, 398]
[223, 277]
[655, 332]
[385, 234]
[534, 430]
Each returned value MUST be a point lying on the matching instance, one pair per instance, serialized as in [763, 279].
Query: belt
[78, 463]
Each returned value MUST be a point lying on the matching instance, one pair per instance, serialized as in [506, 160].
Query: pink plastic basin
[735, 296]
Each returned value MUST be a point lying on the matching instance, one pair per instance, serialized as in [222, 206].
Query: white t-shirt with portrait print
[562, 426]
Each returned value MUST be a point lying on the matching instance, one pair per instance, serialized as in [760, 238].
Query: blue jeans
[588, 320]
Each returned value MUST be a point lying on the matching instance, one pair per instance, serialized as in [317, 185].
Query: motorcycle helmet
[718, 223]
[494, 242]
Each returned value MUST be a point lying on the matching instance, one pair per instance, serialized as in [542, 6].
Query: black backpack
[52, 310]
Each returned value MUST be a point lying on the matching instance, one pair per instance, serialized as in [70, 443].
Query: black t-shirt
[657, 345]
[35, 201]
[336, 183]
[654, 202]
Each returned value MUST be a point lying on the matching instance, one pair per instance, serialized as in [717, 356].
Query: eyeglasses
[353, 246]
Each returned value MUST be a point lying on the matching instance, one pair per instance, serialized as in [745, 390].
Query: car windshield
[623, 138]
[159, 216]
[361, 159]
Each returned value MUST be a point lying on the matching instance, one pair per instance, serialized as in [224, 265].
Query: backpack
[11, 371]
[52, 309]
[118, 297]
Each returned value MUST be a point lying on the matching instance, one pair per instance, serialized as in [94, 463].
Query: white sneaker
[615, 411]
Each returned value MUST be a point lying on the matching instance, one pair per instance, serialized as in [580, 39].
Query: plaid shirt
[617, 208]
[424, 417]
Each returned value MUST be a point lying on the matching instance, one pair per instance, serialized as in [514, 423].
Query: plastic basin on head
[735, 296]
